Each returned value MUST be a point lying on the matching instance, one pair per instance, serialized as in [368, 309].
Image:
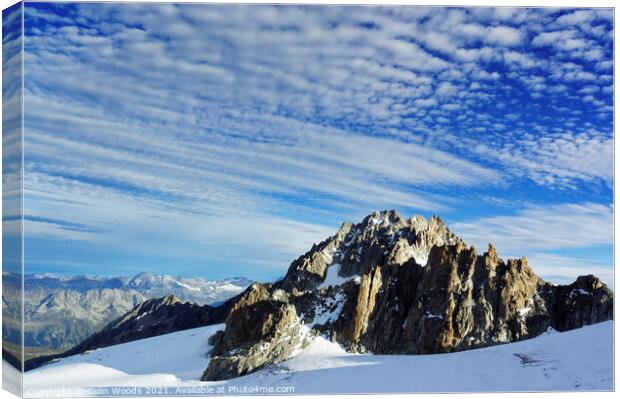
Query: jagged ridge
[389, 285]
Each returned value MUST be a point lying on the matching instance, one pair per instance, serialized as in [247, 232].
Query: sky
[214, 140]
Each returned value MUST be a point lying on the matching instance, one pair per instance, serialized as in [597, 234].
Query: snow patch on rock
[329, 310]
[333, 278]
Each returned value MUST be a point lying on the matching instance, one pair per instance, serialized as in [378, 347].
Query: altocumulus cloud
[188, 119]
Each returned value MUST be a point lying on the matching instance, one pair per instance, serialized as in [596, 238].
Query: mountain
[390, 285]
[195, 290]
[150, 318]
[580, 359]
[60, 312]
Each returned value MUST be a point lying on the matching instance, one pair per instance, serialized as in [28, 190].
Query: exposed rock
[262, 329]
[586, 301]
[403, 286]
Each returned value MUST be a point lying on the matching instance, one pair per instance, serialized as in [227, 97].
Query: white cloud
[550, 38]
[571, 43]
[425, 102]
[280, 110]
[500, 35]
[446, 89]
[576, 157]
[414, 56]
[558, 160]
[581, 16]
[503, 35]
[301, 156]
[521, 59]
[560, 269]
[542, 228]
[149, 227]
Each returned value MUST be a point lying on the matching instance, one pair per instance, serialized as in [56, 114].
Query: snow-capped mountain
[581, 359]
[390, 285]
[61, 311]
[195, 290]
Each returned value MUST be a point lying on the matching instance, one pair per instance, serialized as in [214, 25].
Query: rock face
[394, 286]
[265, 329]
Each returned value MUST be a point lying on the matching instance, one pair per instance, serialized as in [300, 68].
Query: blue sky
[213, 141]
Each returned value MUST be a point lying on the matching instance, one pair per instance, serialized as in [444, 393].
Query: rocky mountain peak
[394, 285]
[382, 220]
[588, 283]
[492, 251]
[356, 248]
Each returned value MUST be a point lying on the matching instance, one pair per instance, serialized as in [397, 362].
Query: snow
[527, 309]
[181, 355]
[419, 255]
[429, 315]
[581, 359]
[328, 255]
[579, 291]
[189, 287]
[381, 219]
[354, 235]
[11, 378]
[330, 311]
[333, 277]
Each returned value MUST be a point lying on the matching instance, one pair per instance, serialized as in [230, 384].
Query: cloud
[502, 35]
[569, 158]
[574, 42]
[550, 38]
[561, 160]
[446, 89]
[328, 162]
[560, 269]
[256, 245]
[581, 16]
[523, 60]
[542, 228]
[306, 115]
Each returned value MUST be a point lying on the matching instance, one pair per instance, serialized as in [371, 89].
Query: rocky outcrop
[262, 328]
[586, 301]
[390, 285]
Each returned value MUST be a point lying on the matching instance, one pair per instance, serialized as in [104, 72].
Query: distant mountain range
[61, 311]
